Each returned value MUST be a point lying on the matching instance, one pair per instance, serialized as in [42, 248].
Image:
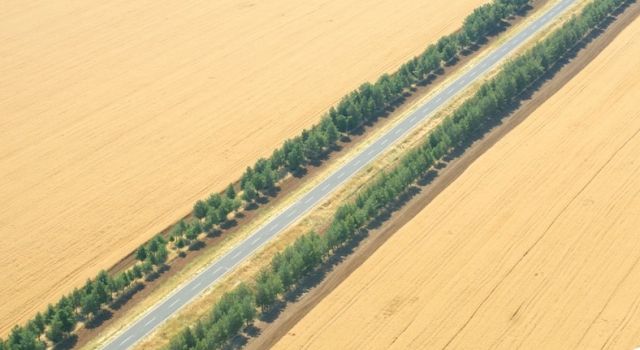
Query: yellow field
[535, 246]
[116, 116]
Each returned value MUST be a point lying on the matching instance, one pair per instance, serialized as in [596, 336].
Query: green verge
[495, 99]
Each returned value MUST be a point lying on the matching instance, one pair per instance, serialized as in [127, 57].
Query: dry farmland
[536, 245]
[116, 116]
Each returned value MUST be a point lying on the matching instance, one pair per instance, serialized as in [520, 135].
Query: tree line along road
[217, 269]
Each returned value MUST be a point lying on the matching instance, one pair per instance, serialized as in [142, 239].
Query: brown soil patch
[315, 322]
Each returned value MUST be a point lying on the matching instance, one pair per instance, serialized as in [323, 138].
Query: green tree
[313, 146]
[90, 305]
[295, 158]
[214, 200]
[49, 313]
[39, 323]
[22, 338]
[230, 192]
[277, 158]
[214, 217]
[161, 255]
[146, 267]
[330, 132]
[268, 286]
[101, 292]
[141, 254]
[249, 194]
[247, 176]
[55, 333]
[137, 271]
[269, 177]
[188, 339]
[200, 209]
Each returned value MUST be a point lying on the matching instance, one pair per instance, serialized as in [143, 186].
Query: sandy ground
[534, 246]
[115, 117]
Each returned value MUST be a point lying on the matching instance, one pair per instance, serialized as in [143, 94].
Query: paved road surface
[183, 295]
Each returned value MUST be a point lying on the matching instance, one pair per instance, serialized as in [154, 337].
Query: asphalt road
[214, 272]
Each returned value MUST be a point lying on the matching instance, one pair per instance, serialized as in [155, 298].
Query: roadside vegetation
[362, 107]
[497, 97]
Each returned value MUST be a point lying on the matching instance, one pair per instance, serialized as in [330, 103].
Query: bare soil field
[115, 117]
[535, 245]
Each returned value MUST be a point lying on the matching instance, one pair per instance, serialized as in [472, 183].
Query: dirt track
[295, 312]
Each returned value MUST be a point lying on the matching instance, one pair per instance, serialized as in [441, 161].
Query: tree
[268, 286]
[277, 158]
[55, 333]
[200, 209]
[39, 323]
[147, 267]
[249, 194]
[230, 192]
[101, 293]
[463, 40]
[22, 338]
[213, 217]
[141, 254]
[447, 48]
[226, 207]
[295, 157]
[137, 271]
[313, 146]
[269, 178]
[161, 255]
[90, 305]
[179, 228]
[246, 177]
[49, 313]
[194, 230]
[188, 339]
[247, 309]
[258, 181]
[330, 132]
[214, 200]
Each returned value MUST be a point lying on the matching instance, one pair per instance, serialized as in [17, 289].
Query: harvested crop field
[117, 116]
[536, 245]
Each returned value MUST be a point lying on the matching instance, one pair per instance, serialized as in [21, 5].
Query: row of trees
[288, 268]
[237, 308]
[209, 216]
[371, 100]
[86, 304]
[361, 106]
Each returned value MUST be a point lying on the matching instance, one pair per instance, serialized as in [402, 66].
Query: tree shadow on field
[117, 303]
[300, 172]
[227, 224]
[102, 316]
[196, 245]
[216, 232]
[69, 343]
[262, 200]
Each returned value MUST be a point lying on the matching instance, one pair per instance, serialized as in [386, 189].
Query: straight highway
[169, 306]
